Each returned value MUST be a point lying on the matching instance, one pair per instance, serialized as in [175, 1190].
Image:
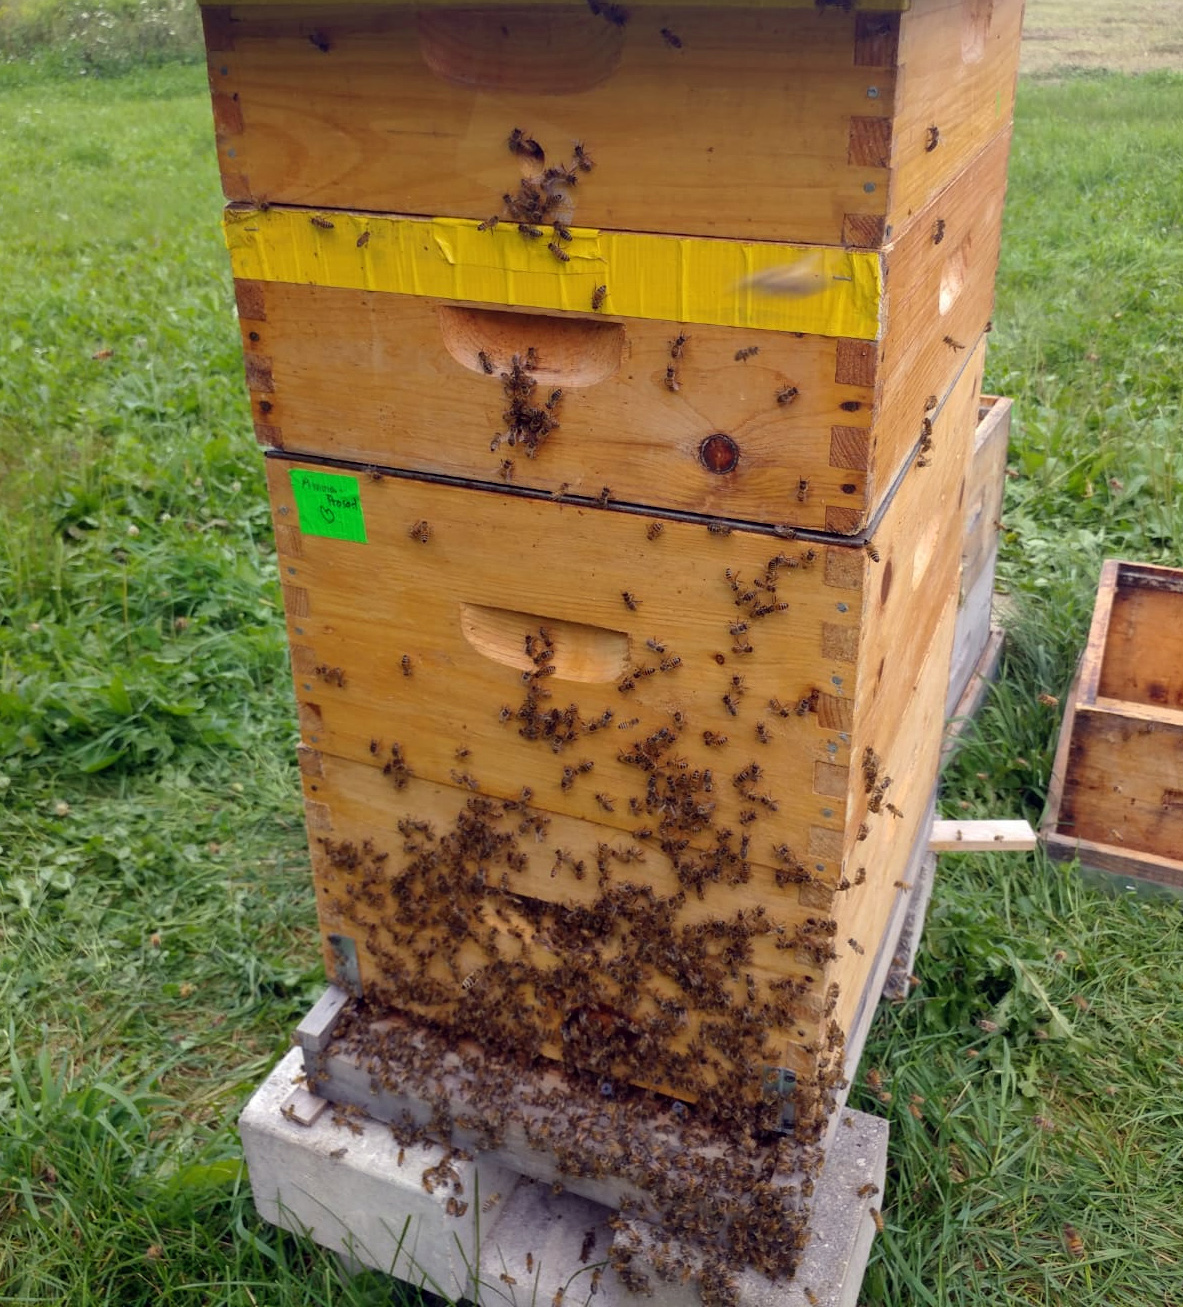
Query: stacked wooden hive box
[619, 374]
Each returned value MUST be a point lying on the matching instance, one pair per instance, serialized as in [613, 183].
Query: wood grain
[744, 131]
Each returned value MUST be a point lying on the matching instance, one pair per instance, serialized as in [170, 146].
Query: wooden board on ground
[824, 125]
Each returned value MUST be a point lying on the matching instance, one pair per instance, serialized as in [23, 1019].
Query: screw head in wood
[719, 453]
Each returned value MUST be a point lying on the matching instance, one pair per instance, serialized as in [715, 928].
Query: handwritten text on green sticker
[329, 504]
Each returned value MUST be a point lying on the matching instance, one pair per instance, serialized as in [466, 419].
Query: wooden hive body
[798, 122]
[343, 362]
[1116, 798]
[558, 906]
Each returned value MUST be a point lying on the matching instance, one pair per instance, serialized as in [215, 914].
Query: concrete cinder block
[519, 1242]
[348, 1191]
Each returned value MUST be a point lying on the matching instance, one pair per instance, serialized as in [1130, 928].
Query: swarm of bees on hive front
[638, 970]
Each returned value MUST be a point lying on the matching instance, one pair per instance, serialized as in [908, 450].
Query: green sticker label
[329, 504]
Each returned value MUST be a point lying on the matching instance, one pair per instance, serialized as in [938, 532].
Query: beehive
[619, 376]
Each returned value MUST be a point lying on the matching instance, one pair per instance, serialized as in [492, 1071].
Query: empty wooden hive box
[1116, 799]
[620, 376]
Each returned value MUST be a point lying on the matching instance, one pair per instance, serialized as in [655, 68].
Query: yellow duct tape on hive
[674, 279]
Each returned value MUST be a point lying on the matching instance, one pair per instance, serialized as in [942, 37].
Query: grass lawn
[157, 931]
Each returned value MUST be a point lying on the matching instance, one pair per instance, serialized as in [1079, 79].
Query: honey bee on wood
[603, 497]
[860, 876]
[653, 530]
[655, 645]
[522, 143]
[872, 552]
[363, 240]
[583, 161]
[731, 703]
[762, 733]
[954, 345]
[858, 948]
[932, 138]
[877, 1217]
[505, 471]
[486, 363]
[405, 663]
[318, 221]
[718, 529]
[802, 490]
[671, 379]
[863, 831]
[1073, 1241]
[374, 746]
[670, 664]
[895, 812]
[677, 346]
[599, 295]
[786, 394]
[631, 602]
[488, 224]
[742, 355]
[606, 803]
[420, 531]
[672, 39]
[938, 231]
[559, 253]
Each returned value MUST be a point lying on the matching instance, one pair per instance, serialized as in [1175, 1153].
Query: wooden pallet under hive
[785, 122]
[634, 798]
[386, 340]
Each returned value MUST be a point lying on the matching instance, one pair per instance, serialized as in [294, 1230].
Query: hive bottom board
[339, 1180]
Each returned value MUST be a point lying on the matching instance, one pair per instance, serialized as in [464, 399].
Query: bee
[488, 224]
[420, 531]
[895, 812]
[603, 497]
[938, 231]
[606, 803]
[677, 346]
[930, 403]
[405, 663]
[810, 1296]
[561, 230]
[742, 355]
[867, 1190]
[655, 645]
[373, 473]
[599, 295]
[809, 703]
[802, 490]
[597, 1276]
[318, 221]
[505, 471]
[762, 733]
[787, 394]
[669, 664]
[490, 1202]
[559, 253]
[583, 161]
[1074, 1242]
[631, 602]
[529, 1263]
[486, 362]
[561, 491]
[338, 1153]
[863, 831]
[521, 143]
[872, 552]
[555, 398]
[671, 379]
[989, 327]
[589, 1243]
[672, 39]
[718, 529]
[557, 1300]
[363, 240]
[653, 530]
[374, 746]
[954, 345]
[534, 233]
[508, 1279]
[876, 1216]
[932, 138]
[858, 948]
[731, 703]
